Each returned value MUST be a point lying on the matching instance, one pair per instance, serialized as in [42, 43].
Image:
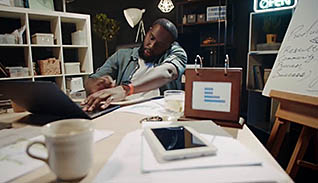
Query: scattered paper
[14, 162]
[149, 108]
[125, 166]
[225, 157]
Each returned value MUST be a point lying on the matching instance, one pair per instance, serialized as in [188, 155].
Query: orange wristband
[131, 89]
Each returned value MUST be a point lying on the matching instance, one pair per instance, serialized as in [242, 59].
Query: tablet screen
[173, 138]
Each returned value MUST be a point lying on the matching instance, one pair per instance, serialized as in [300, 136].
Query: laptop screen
[42, 97]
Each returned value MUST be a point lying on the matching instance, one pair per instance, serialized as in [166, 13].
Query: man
[157, 64]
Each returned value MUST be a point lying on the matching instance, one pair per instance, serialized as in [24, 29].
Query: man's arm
[152, 80]
[169, 70]
[93, 85]
[158, 77]
[103, 78]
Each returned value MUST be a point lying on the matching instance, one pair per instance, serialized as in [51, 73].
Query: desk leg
[277, 136]
[299, 151]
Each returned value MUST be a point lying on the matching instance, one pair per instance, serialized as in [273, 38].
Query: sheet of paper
[149, 108]
[125, 166]
[211, 96]
[296, 64]
[129, 102]
[9, 136]
[225, 157]
[14, 162]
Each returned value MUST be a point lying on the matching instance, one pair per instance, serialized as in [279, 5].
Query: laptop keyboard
[98, 111]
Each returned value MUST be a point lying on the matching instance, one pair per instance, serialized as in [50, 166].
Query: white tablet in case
[177, 142]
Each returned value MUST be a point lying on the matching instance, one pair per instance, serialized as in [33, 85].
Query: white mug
[70, 148]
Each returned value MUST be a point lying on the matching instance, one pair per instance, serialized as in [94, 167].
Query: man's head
[158, 39]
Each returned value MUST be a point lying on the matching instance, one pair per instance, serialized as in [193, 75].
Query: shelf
[61, 25]
[78, 74]
[46, 46]
[267, 52]
[47, 76]
[212, 45]
[14, 45]
[260, 60]
[75, 46]
[255, 90]
[201, 23]
[219, 29]
[25, 77]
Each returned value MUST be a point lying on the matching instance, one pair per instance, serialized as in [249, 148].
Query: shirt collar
[135, 55]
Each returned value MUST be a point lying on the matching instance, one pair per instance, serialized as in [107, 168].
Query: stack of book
[258, 77]
[4, 105]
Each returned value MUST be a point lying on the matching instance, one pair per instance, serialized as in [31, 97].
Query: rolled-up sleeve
[178, 57]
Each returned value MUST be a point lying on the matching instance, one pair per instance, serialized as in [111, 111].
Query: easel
[300, 109]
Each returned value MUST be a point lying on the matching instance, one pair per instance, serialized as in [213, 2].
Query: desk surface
[122, 123]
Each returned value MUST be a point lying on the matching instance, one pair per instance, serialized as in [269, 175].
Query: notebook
[46, 98]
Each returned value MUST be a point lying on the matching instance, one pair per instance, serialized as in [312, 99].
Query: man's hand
[105, 95]
[93, 85]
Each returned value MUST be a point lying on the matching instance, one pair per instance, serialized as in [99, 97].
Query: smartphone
[177, 142]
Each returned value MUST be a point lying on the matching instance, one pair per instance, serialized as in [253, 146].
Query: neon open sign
[270, 5]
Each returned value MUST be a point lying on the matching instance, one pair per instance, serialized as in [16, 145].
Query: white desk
[122, 123]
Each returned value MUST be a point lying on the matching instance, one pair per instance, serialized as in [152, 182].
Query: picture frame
[45, 5]
[201, 18]
[191, 18]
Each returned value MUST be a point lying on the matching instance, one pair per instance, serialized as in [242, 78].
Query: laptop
[46, 98]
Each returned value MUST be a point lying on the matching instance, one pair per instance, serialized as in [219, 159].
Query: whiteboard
[296, 66]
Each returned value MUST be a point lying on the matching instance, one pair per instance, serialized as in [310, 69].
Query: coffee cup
[69, 145]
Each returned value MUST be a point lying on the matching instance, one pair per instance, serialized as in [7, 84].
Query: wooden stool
[294, 108]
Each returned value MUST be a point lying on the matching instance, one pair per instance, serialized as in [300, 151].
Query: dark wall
[114, 10]
[241, 11]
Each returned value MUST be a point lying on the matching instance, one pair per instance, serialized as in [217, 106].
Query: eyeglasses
[150, 119]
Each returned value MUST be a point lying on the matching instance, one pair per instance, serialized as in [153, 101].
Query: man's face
[156, 42]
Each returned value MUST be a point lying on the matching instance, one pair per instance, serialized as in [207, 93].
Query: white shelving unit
[61, 25]
[261, 109]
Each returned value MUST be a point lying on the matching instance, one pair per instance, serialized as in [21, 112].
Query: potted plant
[106, 28]
[271, 27]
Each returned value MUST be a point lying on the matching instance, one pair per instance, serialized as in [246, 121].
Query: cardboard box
[72, 68]
[50, 66]
[79, 38]
[215, 13]
[7, 39]
[74, 84]
[18, 71]
[43, 39]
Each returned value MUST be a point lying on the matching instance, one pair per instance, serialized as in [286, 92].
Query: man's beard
[151, 59]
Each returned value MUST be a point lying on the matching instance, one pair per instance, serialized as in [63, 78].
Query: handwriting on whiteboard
[299, 61]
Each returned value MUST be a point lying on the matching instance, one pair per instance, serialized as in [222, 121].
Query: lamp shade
[133, 16]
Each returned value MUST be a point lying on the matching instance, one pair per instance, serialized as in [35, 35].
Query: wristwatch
[128, 87]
